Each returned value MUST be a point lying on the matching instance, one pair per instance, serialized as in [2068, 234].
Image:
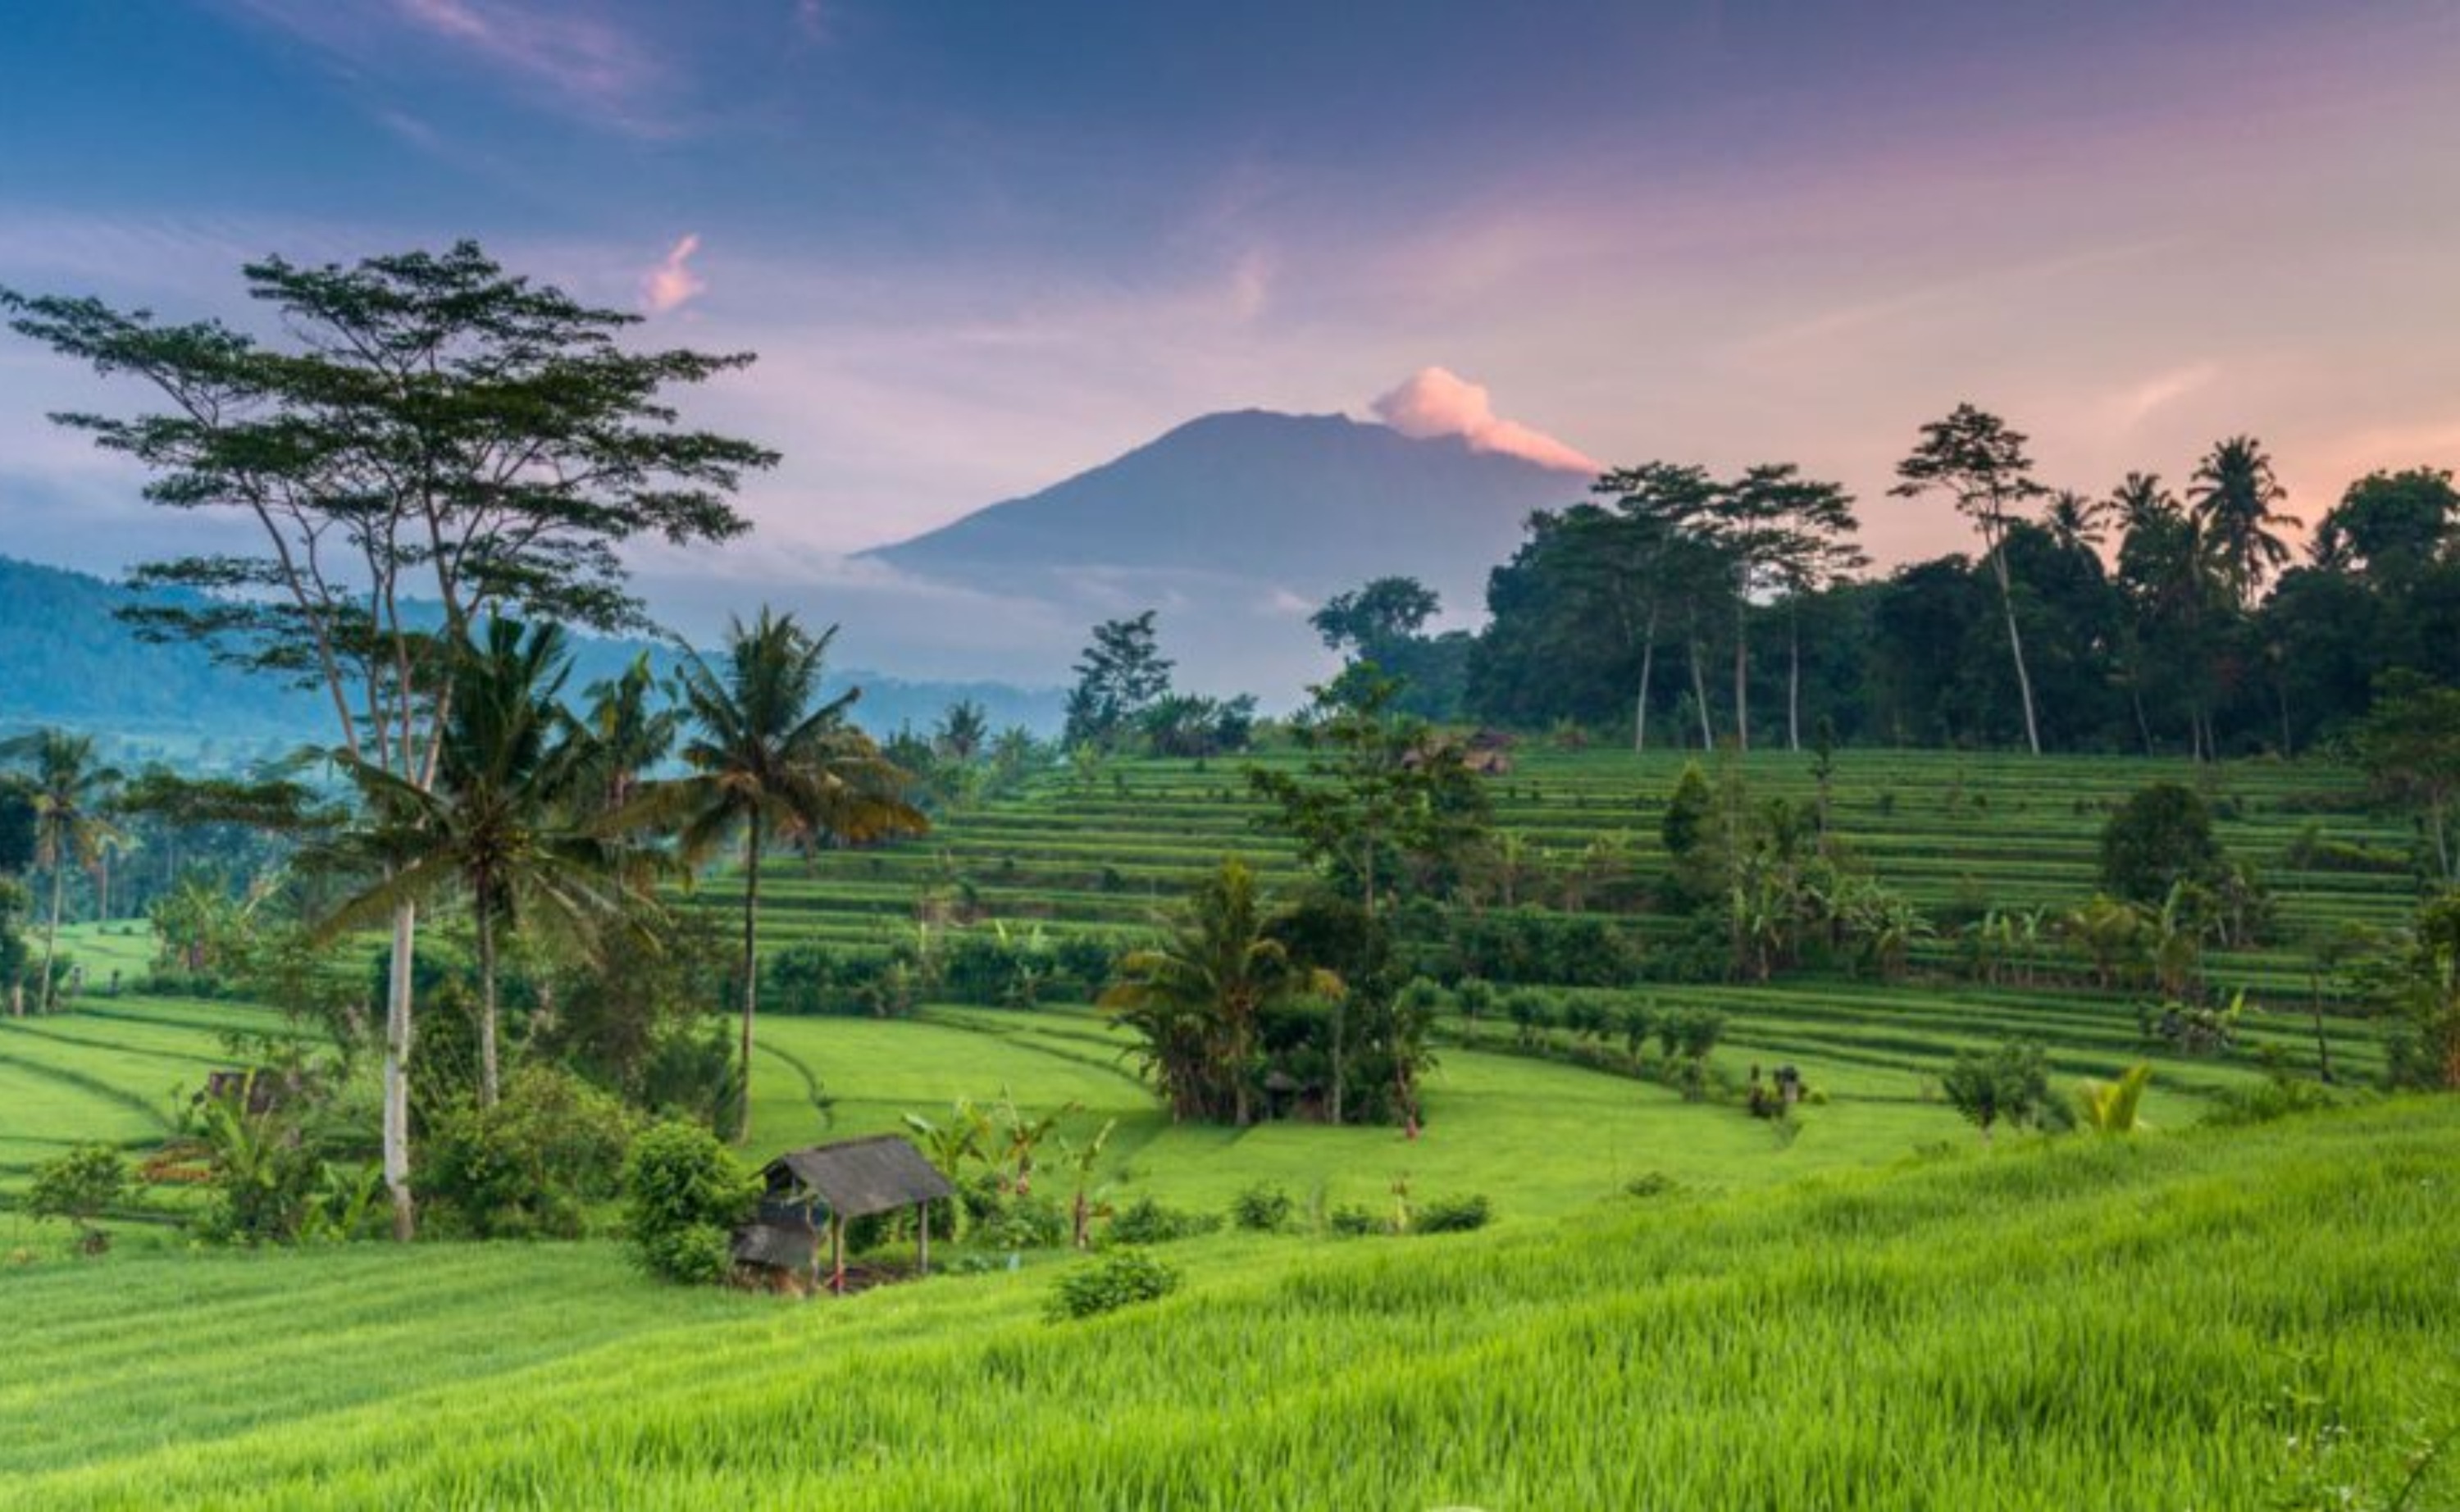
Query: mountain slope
[1308, 503]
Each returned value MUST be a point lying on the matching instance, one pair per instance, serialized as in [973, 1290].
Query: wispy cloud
[569, 56]
[672, 283]
[1436, 401]
[2163, 389]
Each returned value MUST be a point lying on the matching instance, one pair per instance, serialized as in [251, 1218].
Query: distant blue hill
[67, 659]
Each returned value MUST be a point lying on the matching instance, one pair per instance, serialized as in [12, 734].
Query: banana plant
[2111, 1107]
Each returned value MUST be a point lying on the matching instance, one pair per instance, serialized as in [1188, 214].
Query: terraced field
[1952, 832]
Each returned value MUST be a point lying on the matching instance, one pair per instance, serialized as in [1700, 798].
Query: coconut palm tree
[1198, 996]
[627, 731]
[2076, 522]
[2233, 494]
[772, 759]
[72, 827]
[504, 825]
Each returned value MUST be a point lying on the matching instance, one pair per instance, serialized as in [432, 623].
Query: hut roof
[857, 1177]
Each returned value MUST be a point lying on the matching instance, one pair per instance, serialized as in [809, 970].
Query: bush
[1350, 1221]
[2010, 1084]
[528, 1166]
[683, 1195]
[1147, 1221]
[78, 1186]
[1452, 1215]
[1004, 1218]
[1264, 1208]
[2160, 837]
[1119, 1279]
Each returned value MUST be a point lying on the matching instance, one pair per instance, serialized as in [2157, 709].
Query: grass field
[1872, 1310]
[2080, 1325]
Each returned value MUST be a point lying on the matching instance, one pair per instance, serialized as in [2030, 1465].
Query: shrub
[2160, 837]
[77, 1186]
[683, 1195]
[2010, 1084]
[1452, 1215]
[1350, 1221]
[1119, 1279]
[1005, 1219]
[527, 1166]
[1264, 1208]
[1147, 1221]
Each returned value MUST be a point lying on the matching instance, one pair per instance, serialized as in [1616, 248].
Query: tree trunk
[2016, 643]
[48, 999]
[1741, 671]
[1700, 696]
[751, 965]
[1639, 702]
[490, 1080]
[1794, 681]
[396, 1073]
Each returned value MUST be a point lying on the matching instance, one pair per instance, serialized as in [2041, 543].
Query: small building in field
[809, 1195]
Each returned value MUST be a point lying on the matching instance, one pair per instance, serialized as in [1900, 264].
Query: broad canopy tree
[430, 442]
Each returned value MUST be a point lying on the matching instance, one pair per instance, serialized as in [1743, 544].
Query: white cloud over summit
[1438, 401]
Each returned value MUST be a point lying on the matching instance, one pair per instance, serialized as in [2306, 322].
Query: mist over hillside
[71, 662]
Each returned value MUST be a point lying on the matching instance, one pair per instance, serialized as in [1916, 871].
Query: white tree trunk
[396, 1073]
[2016, 643]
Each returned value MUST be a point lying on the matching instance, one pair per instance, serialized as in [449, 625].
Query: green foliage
[2160, 837]
[268, 1185]
[1451, 1215]
[2007, 1085]
[1119, 1279]
[684, 1193]
[2111, 1107]
[1121, 675]
[1147, 1221]
[78, 1187]
[531, 1166]
[1265, 1208]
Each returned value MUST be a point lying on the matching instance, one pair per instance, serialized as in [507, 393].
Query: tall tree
[2389, 526]
[434, 432]
[1121, 674]
[1979, 461]
[72, 790]
[507, 823]
[1364, 621]
[770, 760]
[629, 727]
[2233, 494]
[1804, 544]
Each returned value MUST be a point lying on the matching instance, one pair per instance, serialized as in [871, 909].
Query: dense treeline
[2147, 619]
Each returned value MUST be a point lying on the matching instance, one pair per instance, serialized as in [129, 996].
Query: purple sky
[980, 246]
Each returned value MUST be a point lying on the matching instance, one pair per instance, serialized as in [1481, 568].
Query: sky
[980, 246]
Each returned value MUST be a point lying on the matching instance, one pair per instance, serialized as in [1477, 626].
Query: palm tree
[1198, 996]
[72, 790]
[503, 824]
[2233, 494]
[2076, 522]
[770, 760]
[627, 732]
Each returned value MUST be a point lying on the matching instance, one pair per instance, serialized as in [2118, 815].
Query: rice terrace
[583, 924]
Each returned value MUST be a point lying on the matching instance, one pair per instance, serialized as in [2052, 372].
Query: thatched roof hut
[818, 1190]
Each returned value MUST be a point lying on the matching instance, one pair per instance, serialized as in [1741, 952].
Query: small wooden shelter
[820, 1190]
